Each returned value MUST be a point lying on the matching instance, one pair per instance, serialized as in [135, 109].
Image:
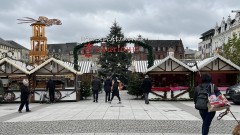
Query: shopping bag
[217, 103]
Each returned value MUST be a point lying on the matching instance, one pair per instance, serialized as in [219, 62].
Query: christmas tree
[134, 85]
[115, 60]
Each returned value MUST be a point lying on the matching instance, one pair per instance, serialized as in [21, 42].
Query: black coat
[96, 84]
[24, 92]
[147, 85]
[205, 85]
[50, 85]
[107, 85]
[115, 90]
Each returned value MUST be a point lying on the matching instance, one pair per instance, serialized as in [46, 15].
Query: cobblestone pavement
[113, 126]
[132, 117]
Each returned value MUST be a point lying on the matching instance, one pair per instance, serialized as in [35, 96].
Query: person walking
[205, 87]
[107, 89]
[115, 91]
[25, 92]
[96, 87]
[51, 89]
[146, 86]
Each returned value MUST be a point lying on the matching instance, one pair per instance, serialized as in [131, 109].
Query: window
[199, 48]
[59, 50]
[53, 50]
[156, 48]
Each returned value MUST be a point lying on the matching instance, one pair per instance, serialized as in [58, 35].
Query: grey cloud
[93, 18]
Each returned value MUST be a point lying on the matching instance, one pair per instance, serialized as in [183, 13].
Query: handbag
[217, 103]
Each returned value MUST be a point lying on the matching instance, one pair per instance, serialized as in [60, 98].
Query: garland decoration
[78, 48]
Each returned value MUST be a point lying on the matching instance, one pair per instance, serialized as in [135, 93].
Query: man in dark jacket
[24, 96]
[146, 86]
[96, 87]
[51, 89]
[107, 88]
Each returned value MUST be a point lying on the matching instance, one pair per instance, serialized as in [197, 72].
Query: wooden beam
[176, 68]
[169, 72]
[161, 68]
[164, 97]
[221, 71]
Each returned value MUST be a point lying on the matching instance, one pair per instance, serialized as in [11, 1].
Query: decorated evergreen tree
[232, 49]
[115, 61]
[85, 89]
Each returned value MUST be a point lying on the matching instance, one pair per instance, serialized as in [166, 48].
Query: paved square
[130, 117]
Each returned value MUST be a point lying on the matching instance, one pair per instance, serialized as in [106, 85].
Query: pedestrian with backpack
[201, 94]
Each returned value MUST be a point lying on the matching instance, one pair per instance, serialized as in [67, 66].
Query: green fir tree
[134, 85]
[85, 89]
[114, 61]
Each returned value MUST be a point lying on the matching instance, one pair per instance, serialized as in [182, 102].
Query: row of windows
[176, 48]
[6, 47]
[206, 46]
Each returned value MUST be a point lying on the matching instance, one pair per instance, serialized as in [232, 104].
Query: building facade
[14, 50]
[205, 47]
[214, 39]
[189, 53]
[161, 49]
[63, 51]
[23, 51]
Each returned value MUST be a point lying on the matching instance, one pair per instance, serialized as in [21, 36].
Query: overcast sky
[81, 19]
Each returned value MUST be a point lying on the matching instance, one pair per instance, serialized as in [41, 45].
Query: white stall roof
[167, 58]
[18, 64]
[207, 61]
[85, 66]
[141, 66]
[66, 65]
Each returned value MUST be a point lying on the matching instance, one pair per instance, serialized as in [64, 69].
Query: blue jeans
[207, 118]
[95, 95]
[146, 98]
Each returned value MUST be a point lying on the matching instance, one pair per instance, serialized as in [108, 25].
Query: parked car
[233, 93]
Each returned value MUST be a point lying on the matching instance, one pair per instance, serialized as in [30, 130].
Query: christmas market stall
[12, 72]
[88, 69]
[171, 78]
[224, 72]
[64, 76]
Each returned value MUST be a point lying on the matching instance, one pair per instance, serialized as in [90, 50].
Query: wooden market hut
[224, 72]
[12, 72]
[62, 73]
[171, 78]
